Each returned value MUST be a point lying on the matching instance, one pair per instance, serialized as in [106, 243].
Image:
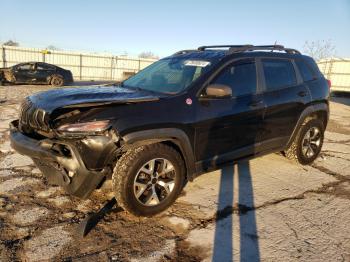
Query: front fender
[175, 135]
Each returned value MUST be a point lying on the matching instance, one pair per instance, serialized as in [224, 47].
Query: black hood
[86, 96]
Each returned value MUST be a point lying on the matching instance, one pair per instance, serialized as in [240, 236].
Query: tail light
[329, 84]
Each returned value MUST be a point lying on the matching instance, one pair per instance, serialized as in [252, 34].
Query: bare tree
[319, 49]
[148, 54]
[52, 47]
[11, 43]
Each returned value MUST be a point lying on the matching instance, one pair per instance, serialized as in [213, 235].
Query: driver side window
[24, 67]
[239, 76]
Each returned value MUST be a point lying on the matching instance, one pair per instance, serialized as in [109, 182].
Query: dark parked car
[36, 73]
[182, 116]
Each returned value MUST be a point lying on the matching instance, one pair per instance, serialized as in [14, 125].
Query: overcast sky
[166, 26]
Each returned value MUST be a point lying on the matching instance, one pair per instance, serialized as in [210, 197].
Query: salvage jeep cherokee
[184, 115]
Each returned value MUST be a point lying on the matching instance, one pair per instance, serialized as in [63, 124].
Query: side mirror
[218, 91]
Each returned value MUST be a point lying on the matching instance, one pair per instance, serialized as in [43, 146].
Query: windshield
[169, 75]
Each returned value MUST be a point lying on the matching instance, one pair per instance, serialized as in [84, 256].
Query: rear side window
[240, 76]
[278, 73]
[41, 66]
[305, 70]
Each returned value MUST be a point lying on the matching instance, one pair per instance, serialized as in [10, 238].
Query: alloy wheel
[154, 182]
[311, 142]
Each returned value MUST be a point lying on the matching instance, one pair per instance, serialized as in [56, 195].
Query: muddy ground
[266, 209]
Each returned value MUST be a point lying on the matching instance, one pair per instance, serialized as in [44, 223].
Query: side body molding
[175, 135]
[320, 107]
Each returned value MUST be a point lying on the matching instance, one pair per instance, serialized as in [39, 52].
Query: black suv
[184, 115]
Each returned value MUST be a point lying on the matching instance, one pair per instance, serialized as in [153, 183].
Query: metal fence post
[43, 56]
[81, 66]
[139, 64]
[3, 57]
[329, 74]
[116, 67]
[111, 76]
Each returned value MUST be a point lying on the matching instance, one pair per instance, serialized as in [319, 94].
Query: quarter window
[41, 66]
[305, 70]
[278, 73]
[240, 76]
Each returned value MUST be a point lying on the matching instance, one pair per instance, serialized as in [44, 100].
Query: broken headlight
[87, 127]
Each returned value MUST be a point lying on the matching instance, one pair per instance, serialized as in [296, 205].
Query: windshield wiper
[141, 89]
[133, 87]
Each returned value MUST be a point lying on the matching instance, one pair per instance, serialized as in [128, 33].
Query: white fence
[338, 71]
[84, 66]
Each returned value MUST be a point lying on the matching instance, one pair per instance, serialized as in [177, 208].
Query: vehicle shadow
[243, 207]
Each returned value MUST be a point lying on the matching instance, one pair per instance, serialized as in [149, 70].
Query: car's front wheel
[308, 142]
[148, 179]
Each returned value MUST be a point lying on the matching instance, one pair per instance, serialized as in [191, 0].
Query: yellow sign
[46, 52]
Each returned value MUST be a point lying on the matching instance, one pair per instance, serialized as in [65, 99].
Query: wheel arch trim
[173, 135]
[319, 107]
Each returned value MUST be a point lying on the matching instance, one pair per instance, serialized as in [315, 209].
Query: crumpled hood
[75, 97]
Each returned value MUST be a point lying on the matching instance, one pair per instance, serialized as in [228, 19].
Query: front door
[24, 72]
[228, 128]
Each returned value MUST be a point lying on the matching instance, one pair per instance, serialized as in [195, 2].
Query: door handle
[302, 93]
[255, 103]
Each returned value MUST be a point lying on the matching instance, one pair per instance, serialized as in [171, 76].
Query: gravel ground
[266, 209]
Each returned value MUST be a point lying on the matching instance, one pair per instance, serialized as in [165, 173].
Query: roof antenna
[274, 45]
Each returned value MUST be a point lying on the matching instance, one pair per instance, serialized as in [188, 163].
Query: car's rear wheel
[148, 179]
[57, 80]
[308, 142]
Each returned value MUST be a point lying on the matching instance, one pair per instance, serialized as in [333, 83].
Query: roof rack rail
[181, 52]
[244, 48]
[202, 48]
[263, 47]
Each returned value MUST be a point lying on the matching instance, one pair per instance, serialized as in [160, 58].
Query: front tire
[148, 179]
[308, 142]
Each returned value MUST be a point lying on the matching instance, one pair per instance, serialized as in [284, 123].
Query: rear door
[229, 128]
[285, 96]
[43, 71]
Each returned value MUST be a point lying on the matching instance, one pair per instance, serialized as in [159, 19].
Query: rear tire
[148, 179]
[57, 80]
[308, 143]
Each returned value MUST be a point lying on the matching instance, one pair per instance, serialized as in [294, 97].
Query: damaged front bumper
[66, 163]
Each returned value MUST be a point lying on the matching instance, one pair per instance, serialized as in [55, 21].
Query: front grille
[32, 118]
[26, 106]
